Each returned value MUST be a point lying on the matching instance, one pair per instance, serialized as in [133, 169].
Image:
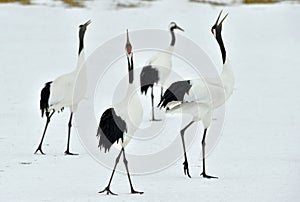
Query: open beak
[223, 19]
[179, 28]
[216, 23]
[219, 23]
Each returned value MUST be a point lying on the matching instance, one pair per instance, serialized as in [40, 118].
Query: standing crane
[124, 117]
[60, 93]
[192, 97]
[158, 68]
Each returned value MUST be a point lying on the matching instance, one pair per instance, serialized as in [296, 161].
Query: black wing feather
[111, 129]
[148, 77]
[175, 92]
[45, 94]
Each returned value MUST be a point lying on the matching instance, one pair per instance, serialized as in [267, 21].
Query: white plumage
[65, 91]
[211, 91]
[162, 61]
[62, 89]
[161, 67]
[131, 111]
[199, 99]
[121, 121]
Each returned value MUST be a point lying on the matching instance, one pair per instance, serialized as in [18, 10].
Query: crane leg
[107, 189]
[203, 157]
[46, 126]
[161, 92]
[185, 163]
[152, 103]
[127, 170]
[67, 152]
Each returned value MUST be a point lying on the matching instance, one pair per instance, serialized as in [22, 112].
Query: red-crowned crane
[158, 68]
[124, 117]
[60, 93]
[192, 97]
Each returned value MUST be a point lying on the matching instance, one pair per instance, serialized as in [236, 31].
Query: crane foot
[69, 153]
[40, 150]
[207, 176]
[154, 119]
[107, 190]
[186, 169]
[136, 192]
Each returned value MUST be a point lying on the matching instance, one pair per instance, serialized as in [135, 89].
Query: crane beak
[216, 23]
[223, 19]
[87, 23]
[179, 28]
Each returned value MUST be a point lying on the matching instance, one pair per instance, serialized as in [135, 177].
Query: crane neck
[81, 55]
[173, 37]
[130, 68]
[228, 79]
[81, 41]
[80, 61]
[222, 47]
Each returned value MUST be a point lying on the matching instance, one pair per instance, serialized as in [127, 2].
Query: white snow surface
[258, 155]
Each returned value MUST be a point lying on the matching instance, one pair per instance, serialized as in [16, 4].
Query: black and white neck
[173, 39]
[130, 68]
[172, 27]
[216, 30]
[129, 55]
[82, 29]
[220, 42]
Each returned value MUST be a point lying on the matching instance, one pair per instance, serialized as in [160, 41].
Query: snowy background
[257, 158]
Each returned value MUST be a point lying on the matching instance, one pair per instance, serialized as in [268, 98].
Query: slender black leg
[152, 103]
[161, 93]
[185, 163]
[203, 157]
[46, 126]
[126, 166]
[67, 152]
[107, 189]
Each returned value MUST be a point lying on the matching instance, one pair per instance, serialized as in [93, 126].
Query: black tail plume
[45, 94]
[175, 92]
[111, 129]
[149, 76]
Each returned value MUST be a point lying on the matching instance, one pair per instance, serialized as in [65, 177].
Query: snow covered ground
[257, 157]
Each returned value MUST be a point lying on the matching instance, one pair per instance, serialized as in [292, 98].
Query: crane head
[84, 26]
[128, 46]
[217, 27]
[128, 49]
[173, 26]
